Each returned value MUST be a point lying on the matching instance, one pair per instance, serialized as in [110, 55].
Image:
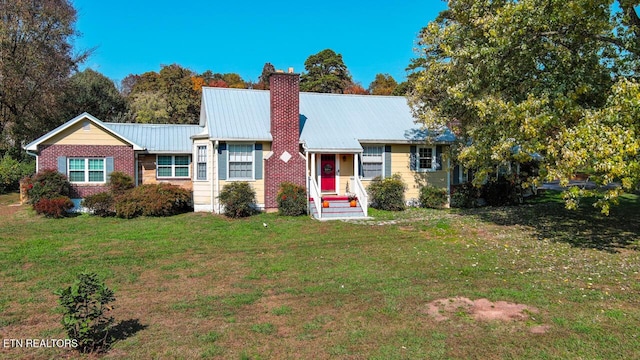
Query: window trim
[434, 159]
[87, 170]
[253, 162]
[173, 167]
[198, 163]
[382, 162]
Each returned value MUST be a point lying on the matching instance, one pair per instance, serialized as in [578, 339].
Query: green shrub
[153, 200]
[47, 184]
[55, 208]
[101, 204]
[12, 171]
[464, 196]
[503, 191]
[86, 306]
[432, 197]
[238, 199]
[292, 199]
[120, 182]
[388, 193]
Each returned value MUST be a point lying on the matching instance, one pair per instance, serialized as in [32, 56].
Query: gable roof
[153, 138]
[33, 146]
[328, 122]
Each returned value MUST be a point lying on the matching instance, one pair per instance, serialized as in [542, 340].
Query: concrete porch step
[338, 209]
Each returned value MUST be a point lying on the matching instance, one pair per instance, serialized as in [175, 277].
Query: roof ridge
[150, 124]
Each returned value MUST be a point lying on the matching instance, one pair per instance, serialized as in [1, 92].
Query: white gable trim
[33, 146]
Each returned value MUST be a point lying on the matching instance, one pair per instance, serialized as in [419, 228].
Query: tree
[234, 81]
[355, 88]
[326, 73]
[534, 79]
[36, 59]
[149, 107]
[171, 96]
[383, 84]
[183, 102]
[402, 89]
[94, 93]
[263, 80]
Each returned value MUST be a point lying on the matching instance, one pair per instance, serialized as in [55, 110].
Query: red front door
[328, 173]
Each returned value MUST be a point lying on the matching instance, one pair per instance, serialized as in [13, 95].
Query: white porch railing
[361, 193]
[314, 193]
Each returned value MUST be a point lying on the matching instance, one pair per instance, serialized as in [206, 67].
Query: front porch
[333, 183]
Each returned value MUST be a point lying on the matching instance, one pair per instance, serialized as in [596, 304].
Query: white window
[83, 170]
[201, 163]
[240, 161]
[427, 159]
[172, 166]
[372, 161]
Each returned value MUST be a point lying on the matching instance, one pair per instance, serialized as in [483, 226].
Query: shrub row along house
[331, 144]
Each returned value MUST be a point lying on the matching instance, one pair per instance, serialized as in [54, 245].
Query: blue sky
[136, 36]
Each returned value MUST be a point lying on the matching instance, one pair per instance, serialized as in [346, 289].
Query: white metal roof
[159, 138]
[329, 122]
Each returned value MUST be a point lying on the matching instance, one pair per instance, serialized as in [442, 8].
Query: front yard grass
[202, 286]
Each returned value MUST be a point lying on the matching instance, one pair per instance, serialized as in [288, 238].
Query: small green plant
[432, 197]
[101, 204]
[388, 193]
[47, 184]
[282, 310]
[502, 191]
[86, 308]
[265, 328]
[238, 199]
[465, 196]
[292, 199]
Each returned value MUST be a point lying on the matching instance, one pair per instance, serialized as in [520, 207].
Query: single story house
[332, 144]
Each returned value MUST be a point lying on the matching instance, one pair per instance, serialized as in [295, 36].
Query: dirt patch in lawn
[482, 310]
[6, 210]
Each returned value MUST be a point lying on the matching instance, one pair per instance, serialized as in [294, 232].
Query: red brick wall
[285, 132]
[123, 160]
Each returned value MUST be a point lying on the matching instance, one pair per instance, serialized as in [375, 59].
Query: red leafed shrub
[153, 200]
[47, 184]
[56, 207]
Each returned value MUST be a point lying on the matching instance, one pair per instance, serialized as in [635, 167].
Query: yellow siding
[257, 185]
[400, 155]
[202, 189]
[77, 135]
[346, 172]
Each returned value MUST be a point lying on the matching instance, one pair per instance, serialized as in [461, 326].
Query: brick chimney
[285, 163]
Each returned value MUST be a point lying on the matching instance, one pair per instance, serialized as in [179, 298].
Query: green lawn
[202, 286]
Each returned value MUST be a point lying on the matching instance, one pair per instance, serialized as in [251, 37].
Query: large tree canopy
[326, 73]
[536, 78]
[170, 96]
[36, 59]
[383, 84]
[94, 93]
